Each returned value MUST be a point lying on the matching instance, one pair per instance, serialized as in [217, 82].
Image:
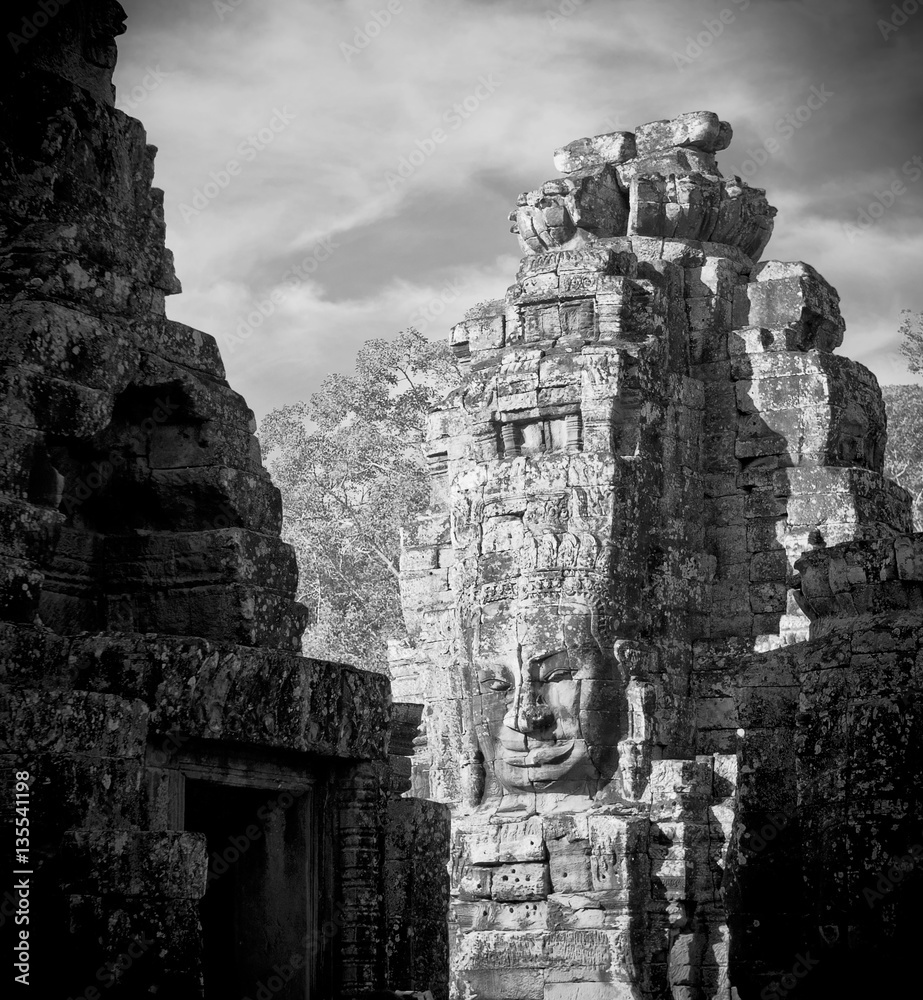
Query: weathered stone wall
[655, 437]
[416, 896]
[149, 636]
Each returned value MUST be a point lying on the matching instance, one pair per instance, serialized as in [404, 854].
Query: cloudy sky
[282, 127]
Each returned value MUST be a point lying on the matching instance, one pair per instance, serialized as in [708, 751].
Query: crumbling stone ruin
[202, 801]
[668, 624]
[667, 628]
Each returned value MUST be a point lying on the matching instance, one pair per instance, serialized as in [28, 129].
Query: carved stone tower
[609, 614]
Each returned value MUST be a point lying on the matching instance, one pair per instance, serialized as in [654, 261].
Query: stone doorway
[267, 880]
[256, 908]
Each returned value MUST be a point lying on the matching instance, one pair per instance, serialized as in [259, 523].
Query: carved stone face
[548, 699]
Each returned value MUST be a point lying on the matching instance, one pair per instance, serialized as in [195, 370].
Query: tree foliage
[911, 331]
[350, 466]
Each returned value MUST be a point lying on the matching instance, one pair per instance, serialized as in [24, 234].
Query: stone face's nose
[528, 712]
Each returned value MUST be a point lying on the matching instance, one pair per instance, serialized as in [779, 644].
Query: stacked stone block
[147, 601]
[749, 529]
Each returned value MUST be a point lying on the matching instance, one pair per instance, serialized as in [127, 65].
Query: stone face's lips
[551, 753]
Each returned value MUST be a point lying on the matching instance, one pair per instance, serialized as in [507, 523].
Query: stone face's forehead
[536, 629]
[511, 625]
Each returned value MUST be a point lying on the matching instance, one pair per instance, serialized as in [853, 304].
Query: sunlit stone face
[549, 700]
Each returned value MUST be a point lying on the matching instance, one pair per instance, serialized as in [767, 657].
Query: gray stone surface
[149, 636]
[662, 544]
[661, 181]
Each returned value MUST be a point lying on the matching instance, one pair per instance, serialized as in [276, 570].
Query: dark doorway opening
[259, 907]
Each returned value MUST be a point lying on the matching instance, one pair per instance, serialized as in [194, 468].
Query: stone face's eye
[494, 683]
[557, 667]
[561, 674]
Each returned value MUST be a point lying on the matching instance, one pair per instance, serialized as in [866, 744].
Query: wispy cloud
[401, 245]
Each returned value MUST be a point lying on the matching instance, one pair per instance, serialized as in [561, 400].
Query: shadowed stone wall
[186, 766]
